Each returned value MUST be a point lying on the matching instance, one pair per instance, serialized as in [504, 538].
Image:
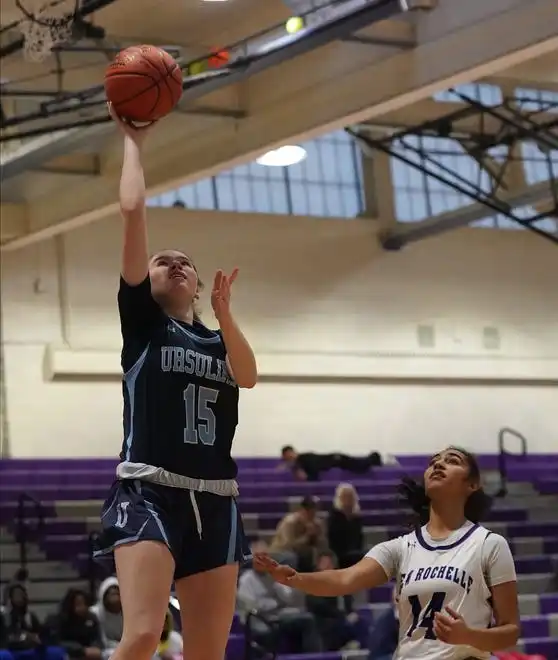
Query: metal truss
[63, 110]
[491, 135]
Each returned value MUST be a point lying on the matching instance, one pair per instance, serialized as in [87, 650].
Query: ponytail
[413, 494]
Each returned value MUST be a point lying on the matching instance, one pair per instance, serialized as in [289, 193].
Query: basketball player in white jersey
[456, 581]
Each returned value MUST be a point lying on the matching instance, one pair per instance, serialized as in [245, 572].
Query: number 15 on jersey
[200, 423]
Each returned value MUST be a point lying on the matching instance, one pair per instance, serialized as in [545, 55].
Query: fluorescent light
[283, 157]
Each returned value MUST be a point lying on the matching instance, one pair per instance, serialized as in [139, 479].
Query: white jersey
[432, 575]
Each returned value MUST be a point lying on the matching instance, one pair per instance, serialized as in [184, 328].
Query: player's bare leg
[145, 572]
[207, 604]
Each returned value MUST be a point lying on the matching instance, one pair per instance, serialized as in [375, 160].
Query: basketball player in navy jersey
[456, 581]
[171, 514]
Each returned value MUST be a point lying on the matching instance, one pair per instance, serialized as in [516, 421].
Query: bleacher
[55, 505]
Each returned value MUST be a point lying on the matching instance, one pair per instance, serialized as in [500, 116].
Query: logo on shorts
[122, 515]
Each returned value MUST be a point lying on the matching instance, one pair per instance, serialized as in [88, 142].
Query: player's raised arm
[241, 360]
[366, 574]
[135, 252]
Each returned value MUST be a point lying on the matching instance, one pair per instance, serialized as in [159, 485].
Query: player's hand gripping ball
[221, 293]
[136, 133]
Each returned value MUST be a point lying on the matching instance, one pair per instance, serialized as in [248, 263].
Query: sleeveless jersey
[180, 402]
[431, 577]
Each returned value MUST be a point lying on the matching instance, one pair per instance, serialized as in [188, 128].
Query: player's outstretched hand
[450, 627]
[279, 572]
[221, 293]
[136, 133]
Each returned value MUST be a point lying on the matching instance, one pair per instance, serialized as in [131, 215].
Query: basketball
[143, 83]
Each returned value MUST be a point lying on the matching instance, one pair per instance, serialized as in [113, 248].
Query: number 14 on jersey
[426, 621]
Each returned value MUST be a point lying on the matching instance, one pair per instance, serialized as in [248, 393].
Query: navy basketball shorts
[202, 530]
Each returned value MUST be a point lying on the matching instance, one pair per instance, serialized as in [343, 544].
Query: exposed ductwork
[248, 58]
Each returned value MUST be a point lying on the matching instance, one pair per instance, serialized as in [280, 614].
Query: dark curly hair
[67, 604]
[413, 494]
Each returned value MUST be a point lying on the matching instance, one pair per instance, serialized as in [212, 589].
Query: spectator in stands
[308, 466]
[276, 618]
[281, 556]
[344, 527]
[335, 624]
[302, 533]
[21, 630]
[384, 634]
[108, 611]
[75, 628]
[170, 646]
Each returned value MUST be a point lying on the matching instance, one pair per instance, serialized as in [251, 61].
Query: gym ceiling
[383, 59]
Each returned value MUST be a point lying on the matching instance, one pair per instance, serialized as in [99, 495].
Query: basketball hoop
[45, 24]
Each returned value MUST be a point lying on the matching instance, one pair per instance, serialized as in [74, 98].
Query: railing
[27, 528]
[503, 454]
[255, 648]
[93, 568]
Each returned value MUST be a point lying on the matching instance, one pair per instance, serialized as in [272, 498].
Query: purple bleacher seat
[53, 480]
[533, 529]
[548, 603]
[235, 647]
[535, 626]
[547, 647]
[547, 486]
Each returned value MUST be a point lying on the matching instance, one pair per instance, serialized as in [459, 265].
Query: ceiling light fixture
[283, 157]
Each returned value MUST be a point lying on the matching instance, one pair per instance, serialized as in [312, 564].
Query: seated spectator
[75, 628]
[384, 634]
[20, 630]
[281, 556]
[344, 527]
[170, 647]
[308, 465]
[108, 611]
[301, 533]
[276, 619]
[335, 624]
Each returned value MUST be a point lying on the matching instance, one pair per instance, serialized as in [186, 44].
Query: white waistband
[157, 475]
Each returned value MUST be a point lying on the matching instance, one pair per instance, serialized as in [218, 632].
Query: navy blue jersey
[180, 402]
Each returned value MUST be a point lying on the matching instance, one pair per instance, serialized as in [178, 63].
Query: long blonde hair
[341, 488]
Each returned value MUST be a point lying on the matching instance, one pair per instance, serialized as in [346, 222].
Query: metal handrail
[23, 530]
[92, 568]
[252, 648]
[503, 454]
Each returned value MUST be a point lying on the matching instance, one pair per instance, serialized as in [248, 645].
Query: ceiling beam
[325, 90]
[429, 110]
[416, 231]
[313, 38]
[518, 82]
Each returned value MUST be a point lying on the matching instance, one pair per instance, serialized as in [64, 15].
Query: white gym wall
[360, 349]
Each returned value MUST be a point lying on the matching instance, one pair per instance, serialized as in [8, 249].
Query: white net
[45, 24]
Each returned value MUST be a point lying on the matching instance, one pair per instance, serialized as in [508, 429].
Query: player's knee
[142, 643]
